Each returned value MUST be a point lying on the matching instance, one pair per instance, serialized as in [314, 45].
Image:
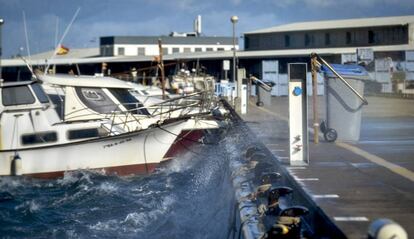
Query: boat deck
[353, 183]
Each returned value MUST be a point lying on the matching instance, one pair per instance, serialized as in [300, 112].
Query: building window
[220, 49]
[165, 51]
[307, 40]
[121, 51]
[287, 40]
[38, 138]
[187, 49]
[176, 50]
[327, 39]
[348, 38]
[198, 49]
[141, 51]
[371, 37]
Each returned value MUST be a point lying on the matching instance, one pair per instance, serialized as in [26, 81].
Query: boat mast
[161, 66]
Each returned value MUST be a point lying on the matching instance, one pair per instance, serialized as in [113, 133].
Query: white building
[148, 45]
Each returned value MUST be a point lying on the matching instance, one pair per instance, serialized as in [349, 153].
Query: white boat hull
[136, 152]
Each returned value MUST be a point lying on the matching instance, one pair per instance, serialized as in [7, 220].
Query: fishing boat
[186, 82]
[36, 142]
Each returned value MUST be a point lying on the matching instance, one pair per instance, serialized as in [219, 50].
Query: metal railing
[322, 61]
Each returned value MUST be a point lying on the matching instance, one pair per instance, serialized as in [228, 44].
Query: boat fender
[16, 165]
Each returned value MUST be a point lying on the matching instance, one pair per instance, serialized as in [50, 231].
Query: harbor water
[190, 197]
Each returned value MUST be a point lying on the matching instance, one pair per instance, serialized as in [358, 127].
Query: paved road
[354, 183]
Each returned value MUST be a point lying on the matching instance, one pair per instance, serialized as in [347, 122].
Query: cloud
[155, 17]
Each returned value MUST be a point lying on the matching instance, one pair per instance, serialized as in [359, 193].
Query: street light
[1, 49]
[234, 20]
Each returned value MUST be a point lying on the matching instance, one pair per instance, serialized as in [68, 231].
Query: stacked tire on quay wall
[269, 202]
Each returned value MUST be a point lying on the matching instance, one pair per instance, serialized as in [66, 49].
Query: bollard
[288, 224]
[251, 150]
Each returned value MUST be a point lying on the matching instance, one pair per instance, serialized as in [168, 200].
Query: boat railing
[192, 105]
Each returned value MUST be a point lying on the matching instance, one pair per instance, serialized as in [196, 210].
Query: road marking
[282, 157]
[387, 142]
[380, 161]
[277, 150]
[351, 219]
[326, 196]
[293, 167]
[307, 179]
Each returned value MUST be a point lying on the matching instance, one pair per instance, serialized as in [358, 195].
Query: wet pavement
[353, 183]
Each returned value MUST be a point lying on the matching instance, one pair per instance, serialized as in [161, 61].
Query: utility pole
[161, 66]
[234, 20]
[1, 47]
[314, 68]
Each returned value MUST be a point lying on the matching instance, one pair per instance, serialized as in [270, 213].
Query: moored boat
[36, 142]
[88, 97]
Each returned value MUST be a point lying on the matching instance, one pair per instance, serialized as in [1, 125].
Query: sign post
[298, 114]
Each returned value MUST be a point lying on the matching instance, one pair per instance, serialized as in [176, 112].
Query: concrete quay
[354, 183]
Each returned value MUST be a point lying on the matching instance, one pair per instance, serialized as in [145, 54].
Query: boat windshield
[40, 93]
[129, 101]
[96, 99]
[17, 95]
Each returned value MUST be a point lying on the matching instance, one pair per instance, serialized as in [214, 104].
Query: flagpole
[60, 42]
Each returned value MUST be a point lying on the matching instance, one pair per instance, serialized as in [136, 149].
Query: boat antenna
[61, 39]
[27, 45]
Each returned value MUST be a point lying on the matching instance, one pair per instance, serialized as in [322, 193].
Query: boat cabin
[81, 98]
[28, 119]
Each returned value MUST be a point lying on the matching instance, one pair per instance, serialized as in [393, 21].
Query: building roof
[73, 53]
[213, 55]
[150, 40]
[337, 24]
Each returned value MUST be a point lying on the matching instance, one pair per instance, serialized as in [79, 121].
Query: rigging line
[61, 39]
[192, 151]
[185, 146]
[56, 30]
[27, 39]
[183, 137]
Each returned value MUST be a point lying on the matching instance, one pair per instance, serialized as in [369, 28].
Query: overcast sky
[159, 17]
